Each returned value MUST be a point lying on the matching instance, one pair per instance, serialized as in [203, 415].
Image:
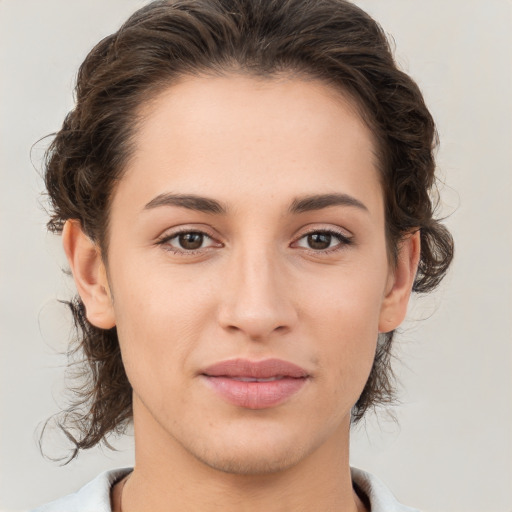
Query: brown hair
[331, 40]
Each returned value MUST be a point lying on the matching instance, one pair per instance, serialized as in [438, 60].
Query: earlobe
[89, 273]
[394, 305]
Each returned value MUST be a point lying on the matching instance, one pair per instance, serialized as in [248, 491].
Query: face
[248, 270]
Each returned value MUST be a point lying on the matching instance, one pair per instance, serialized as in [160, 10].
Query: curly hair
[330, 40]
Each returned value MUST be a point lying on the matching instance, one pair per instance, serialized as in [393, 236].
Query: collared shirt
[95, 496]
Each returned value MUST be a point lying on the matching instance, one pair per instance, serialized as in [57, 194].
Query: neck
[168, 478]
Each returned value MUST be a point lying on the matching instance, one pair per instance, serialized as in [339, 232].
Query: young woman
[243, 194]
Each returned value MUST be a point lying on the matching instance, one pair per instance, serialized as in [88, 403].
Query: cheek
[159, 323]
[346, 301]
[347, 331]
[343, 318]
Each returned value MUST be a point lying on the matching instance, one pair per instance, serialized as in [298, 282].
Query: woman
[243, 194]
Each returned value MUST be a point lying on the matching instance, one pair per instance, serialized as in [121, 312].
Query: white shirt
[95, 496]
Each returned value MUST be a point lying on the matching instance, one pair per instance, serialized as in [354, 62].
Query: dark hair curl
[330, 40]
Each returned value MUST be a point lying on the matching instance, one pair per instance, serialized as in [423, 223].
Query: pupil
[191, 240]
[319, 240]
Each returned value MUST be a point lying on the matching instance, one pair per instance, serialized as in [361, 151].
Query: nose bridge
[256, 300]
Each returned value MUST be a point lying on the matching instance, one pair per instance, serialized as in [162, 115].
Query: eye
[323, 240]
[188, 241]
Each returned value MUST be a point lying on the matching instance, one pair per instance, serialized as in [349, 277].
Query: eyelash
[164, 242]
[343, 240]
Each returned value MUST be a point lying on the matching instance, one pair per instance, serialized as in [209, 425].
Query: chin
[248, 448]
[250, 462]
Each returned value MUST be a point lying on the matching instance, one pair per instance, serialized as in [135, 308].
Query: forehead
[275, 135]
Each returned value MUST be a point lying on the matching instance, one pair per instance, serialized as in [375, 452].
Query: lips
[266, 369]
[255, 384]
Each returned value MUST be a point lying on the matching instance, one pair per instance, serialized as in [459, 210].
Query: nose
[256, 299]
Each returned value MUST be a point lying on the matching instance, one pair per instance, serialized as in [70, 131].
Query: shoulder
[381, 499]
[93, 497]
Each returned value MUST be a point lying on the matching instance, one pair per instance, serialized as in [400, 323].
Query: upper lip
[263, 369]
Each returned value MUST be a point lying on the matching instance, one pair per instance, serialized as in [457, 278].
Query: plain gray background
[452, 447]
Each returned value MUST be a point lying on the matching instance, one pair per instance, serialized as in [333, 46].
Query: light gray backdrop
[452, 449]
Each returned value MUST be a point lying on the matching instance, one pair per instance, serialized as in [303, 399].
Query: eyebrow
[320, 201]
[189, 201]
[299, 205]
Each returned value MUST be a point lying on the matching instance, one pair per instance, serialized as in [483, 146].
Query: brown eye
[319, 241]
[190, 241]
[323, 241]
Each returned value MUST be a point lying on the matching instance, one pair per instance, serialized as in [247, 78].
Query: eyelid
[325, 228]
[344, 236]
[340, 233]
[186, 228]
[171, 233]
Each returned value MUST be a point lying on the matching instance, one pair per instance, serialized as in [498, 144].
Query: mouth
[255, 384]
[254, 379]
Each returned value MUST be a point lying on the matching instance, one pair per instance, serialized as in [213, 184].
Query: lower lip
[255, 395]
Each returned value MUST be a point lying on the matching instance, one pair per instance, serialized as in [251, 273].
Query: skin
[255, 288]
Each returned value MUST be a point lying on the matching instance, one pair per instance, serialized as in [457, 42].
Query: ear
[90, 275]
[399, 286]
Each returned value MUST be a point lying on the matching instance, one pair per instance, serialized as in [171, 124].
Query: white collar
[95, 496]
